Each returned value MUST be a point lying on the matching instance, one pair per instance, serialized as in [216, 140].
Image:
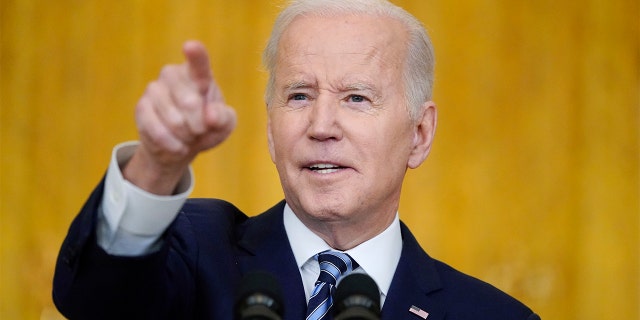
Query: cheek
[392, 145]
[282, 141]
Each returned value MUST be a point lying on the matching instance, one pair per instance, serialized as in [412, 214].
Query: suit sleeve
[89, 283]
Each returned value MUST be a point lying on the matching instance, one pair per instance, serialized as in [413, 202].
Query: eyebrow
[297, 85]
[355, 86]
[358, 86]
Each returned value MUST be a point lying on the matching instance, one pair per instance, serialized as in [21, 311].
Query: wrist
[154, 177]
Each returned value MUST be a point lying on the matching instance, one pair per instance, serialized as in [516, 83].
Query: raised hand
[180, 114]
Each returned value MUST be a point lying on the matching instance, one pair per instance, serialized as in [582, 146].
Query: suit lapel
[263, 246]
[414, 283]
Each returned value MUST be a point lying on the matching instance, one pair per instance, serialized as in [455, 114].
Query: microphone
[259, 298]
[357, 298]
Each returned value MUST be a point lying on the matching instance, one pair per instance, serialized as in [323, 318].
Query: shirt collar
[378, 257]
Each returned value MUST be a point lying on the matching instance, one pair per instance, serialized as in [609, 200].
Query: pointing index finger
[198, 64]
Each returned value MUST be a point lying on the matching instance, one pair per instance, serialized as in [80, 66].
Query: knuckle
[142, 110]
[153, 87]
[190, 102]
[155, 91]
[175, 122]
[141, 106]
[159, 135]
[216, 116]
[168, 71]
[163, 139]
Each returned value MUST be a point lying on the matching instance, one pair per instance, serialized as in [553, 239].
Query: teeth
[324, 168]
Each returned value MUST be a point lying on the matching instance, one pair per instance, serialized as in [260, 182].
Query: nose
[324, 122]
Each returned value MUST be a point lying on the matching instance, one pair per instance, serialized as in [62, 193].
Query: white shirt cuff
[131, 213]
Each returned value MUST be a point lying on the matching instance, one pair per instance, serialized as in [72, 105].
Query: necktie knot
[333, 265]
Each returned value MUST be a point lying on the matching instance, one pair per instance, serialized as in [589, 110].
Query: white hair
[419, 63]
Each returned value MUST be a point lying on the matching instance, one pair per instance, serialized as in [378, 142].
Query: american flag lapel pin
[419, 312]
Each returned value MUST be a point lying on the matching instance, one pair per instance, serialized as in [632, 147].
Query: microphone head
[259, 297]
[357, 297]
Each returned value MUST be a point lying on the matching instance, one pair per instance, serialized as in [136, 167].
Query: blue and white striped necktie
[333, 265]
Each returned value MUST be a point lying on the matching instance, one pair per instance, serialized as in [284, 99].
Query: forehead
[344, 43]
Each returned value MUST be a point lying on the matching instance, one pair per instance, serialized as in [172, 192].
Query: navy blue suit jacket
[211, 245]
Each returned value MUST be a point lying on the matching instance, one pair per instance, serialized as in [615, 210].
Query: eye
[298, 97]
[356, 98]
[298, 100]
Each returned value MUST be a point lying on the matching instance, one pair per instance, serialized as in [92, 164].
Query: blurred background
[532, 184]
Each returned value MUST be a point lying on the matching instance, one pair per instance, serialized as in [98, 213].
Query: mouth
[325, 168]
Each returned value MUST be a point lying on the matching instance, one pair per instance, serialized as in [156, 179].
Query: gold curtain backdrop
[532, 184]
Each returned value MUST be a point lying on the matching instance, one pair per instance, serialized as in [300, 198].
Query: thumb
[198, 64]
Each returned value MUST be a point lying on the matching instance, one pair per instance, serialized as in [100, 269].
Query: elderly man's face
[339, 131]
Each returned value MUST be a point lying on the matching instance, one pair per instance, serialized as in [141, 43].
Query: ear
[272, 151]
[424, 131]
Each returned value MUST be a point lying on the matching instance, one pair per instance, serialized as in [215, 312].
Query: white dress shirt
[377, 257]
[132, 221]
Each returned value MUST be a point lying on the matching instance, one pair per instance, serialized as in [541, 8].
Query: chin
[328, 203]
[322, 210]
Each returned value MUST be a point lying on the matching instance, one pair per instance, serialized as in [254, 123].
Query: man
[349, 110]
